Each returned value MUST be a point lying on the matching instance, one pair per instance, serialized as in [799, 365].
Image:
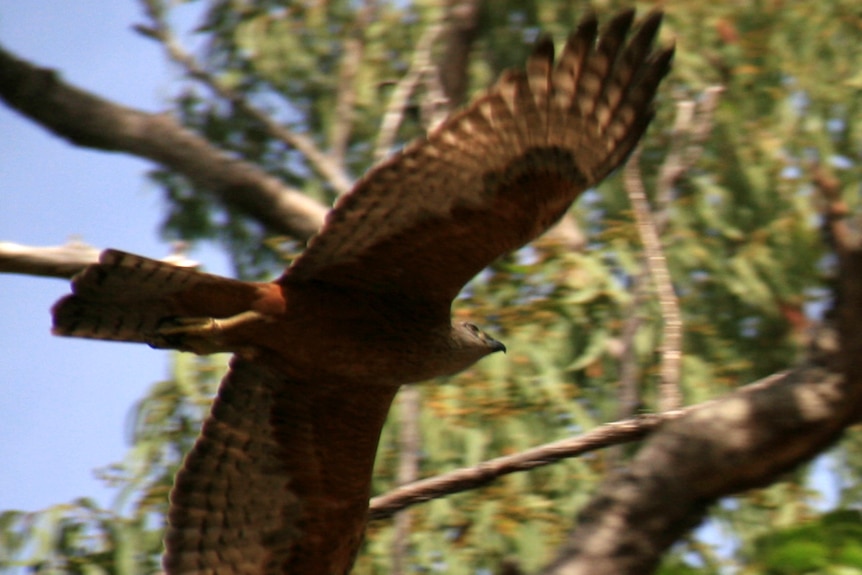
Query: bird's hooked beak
[496, 345]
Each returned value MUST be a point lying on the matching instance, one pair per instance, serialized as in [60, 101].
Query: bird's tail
[130, 298]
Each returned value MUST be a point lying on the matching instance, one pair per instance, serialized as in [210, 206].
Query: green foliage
[831, 543]
[742, 244]
[82, 538]
[78, 538]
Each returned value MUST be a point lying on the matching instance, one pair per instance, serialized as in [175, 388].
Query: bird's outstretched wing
[497, 174]
[278, 481]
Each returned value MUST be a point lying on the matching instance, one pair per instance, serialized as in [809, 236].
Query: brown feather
[279, 479]
[428, 219]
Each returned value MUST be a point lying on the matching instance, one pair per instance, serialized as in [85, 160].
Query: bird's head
[473, 339]
[462, 345]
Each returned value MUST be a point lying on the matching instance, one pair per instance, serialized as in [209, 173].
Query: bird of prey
[278, 480]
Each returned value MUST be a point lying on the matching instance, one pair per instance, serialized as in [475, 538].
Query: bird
[278, 481]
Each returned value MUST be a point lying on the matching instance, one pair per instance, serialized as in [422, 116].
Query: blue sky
[64, 402]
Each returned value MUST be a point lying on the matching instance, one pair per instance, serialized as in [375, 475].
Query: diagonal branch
[420, 65]
[609, 434]
[87, 120]
[385, 505]
[324, 165]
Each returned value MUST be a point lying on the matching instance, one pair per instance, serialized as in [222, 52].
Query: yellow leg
[200, 335]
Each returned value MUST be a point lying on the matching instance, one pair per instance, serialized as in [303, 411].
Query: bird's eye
[472, 327]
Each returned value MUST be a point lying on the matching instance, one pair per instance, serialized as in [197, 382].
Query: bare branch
[693, 125]
[330, 170]
[56, 261]
[87, 120]
[670, 396]
[607, 435]
[352, 51]
[462, 26]
[465, 479]
[65, 261]
[420, 64]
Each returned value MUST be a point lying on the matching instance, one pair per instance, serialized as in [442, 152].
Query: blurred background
[743, 241]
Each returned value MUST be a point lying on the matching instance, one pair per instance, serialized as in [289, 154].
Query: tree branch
[87, 120]
[55, 262]
[64, 261]
[669, 394]
[329, 169]
[744, 440]
[462, 27]
[692, 126]
[352, 51]
[420, 65]
[468, 478]
[607, 435]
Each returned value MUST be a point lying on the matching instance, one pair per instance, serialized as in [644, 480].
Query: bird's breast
[334, 334]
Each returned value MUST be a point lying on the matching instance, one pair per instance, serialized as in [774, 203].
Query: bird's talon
[188, 326]
[200, 335]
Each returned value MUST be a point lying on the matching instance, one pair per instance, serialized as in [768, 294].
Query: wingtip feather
[543, 50]
[620, 24]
